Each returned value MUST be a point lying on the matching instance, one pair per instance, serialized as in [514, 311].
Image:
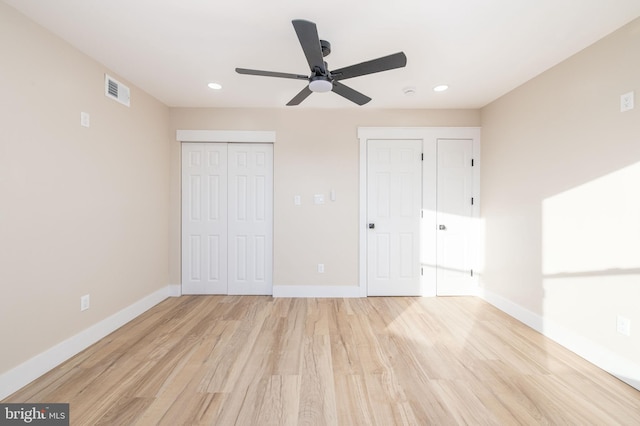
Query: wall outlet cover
[623, 325]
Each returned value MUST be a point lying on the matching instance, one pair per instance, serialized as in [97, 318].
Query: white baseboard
[622, 368]
[320, 291]
[25, 373]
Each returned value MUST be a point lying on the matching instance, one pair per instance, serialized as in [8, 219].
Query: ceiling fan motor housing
[326, 47]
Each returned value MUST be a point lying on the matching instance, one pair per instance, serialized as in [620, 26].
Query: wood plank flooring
[250, 360]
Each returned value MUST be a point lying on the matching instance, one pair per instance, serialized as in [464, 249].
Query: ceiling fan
[323, 80]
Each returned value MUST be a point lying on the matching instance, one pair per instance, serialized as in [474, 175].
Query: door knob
[372, 225]
[442, 227]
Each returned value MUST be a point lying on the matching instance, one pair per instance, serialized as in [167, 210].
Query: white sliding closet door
[204, 218]
[250, 215]
[227, 218]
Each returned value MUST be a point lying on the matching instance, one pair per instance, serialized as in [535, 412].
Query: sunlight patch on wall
[594, 227]
[591, 269]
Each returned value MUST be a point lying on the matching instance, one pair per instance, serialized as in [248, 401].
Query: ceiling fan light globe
[320, 86]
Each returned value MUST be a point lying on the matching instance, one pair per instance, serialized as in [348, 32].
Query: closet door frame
[223, 136]
[428, 256]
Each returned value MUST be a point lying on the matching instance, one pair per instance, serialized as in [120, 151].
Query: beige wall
[560, 175]
[315, 151]
[82, 210]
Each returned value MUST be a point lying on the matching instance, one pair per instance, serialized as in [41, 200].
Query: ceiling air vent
[115, 90]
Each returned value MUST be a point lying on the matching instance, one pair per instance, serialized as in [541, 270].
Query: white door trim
[424, 134]
[211, 136]
[236, 136]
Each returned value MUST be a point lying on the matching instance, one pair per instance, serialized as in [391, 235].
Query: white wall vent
[115, 90]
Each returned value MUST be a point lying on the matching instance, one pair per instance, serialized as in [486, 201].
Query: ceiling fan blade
[304, 93]
[348, 93]
[271, 74]
[310, 42]
[397, 60]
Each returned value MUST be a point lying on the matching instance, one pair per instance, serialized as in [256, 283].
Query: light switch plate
[85, 119]
[626, 102]
[84, 302]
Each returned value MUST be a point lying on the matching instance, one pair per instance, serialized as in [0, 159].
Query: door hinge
[471, 200]
[422, 157]
[472, 162]
[472, 272]
[421, 271]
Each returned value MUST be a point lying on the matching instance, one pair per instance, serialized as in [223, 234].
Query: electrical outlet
[321, 268]
[84, 302]
[626, 102]
[623, 325]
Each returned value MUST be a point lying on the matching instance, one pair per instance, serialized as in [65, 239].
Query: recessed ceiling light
[214, 86]
[440, 88]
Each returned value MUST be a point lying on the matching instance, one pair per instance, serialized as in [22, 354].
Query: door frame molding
[235, 136]
[213, 136]
[424, 134]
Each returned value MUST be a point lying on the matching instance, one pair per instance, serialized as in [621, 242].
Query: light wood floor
[225, 360]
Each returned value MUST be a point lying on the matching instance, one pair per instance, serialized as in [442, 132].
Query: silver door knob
[372, 225]
[442, 227]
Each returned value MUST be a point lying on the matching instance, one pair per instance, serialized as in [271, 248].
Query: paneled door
[227, 218]
[393, 211]
[454, 217]
[204, 218]
[250, 216]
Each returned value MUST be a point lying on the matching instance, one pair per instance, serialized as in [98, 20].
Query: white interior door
[393, 212]
[204, 218]
[454, 217]
[227, 218]
[250, 218]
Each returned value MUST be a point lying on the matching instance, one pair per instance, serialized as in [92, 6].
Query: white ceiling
[481, 48]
